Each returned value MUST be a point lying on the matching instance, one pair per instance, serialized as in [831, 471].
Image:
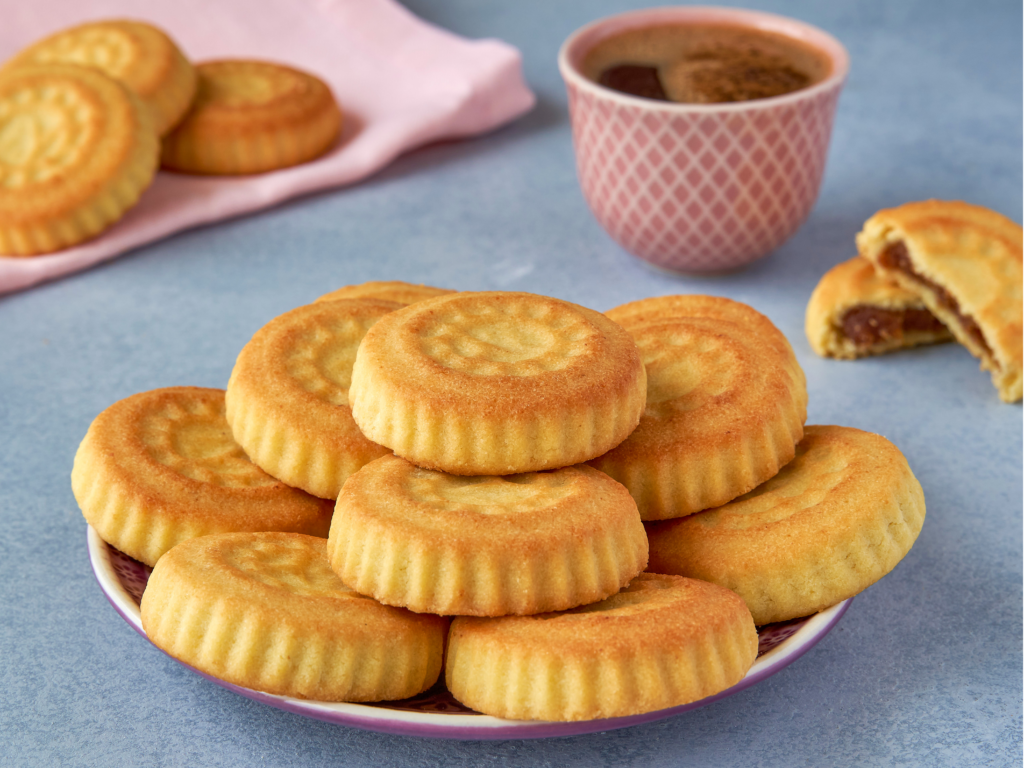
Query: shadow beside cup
[700, 187]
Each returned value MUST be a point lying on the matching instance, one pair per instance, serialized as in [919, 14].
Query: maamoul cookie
[265, 611]
[76, 150]
[135, 53]
[390, 290]
[661, 642]
[252, 116]
[834, 521]
[485, 546]
[964, 261]
[726, 404]
[288, 401]
[855, 312]
[497, 383]
[161, 467]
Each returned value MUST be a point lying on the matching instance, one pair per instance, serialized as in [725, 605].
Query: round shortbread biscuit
[265, 611]
[250, 117]
[287, 398]
[161, 467]
[134, 53]
[497, 383]
[77, 149]
[485, 546]
[726, 404]
[834, 521]
[661, 642]
[390, 290]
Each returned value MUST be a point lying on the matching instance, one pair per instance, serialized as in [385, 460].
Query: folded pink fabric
[401, 83]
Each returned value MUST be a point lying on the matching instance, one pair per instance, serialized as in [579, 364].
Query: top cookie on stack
[496, 383]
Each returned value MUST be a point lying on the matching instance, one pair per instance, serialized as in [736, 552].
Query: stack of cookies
[503, 468]
[928, 272]
[88, 114]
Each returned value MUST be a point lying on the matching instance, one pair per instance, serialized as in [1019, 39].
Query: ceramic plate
[435, 713]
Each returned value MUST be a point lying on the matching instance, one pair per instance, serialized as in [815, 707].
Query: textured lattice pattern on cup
[700, 191]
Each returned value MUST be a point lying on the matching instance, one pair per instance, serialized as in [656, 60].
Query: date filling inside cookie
[866, 325]
[896, 256]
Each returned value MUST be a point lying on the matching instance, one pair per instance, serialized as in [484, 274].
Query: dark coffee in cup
[704, 63]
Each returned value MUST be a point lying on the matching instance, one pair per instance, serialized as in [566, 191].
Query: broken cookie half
[854, 312]
[964, 262]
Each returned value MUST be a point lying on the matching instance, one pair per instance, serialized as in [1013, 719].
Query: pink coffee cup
[700, 187]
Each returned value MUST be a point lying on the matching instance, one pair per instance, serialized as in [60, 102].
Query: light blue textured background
[924, 669]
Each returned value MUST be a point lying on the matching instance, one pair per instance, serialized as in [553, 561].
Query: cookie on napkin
[135, 53]
[78, 148]
[252, 116]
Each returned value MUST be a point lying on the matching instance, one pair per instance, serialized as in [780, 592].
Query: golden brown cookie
[661, 642]
[497, 383]
[76, 150]
[964, 261]
[161, 467]
[135, 53]
[265, 611]
[250, 117]
[855, 312]
[485, 546]
[389, 290]
[834, 521]
[287, 398]
[726, 404]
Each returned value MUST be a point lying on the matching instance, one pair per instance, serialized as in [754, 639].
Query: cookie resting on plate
[288, 395]
[485, 546]
[265, 611]
[660, 642]
[835, 520]
[161, 467]
[497, 383]
[726, 404]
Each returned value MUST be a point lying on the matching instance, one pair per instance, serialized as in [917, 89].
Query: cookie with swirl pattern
[77, 149]
[137, 54]
[726, 404]
[835, 520]
[288, 394]
[266, 612]
[161, 467]
[252, 116]
[661, 642]
[486, 545]
[497, 383]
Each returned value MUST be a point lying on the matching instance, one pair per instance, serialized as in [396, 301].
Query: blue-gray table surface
[924, 669]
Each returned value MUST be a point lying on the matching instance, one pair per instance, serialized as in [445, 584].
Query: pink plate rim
[465, 726]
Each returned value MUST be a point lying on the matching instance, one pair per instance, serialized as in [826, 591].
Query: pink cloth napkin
[400, 81]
